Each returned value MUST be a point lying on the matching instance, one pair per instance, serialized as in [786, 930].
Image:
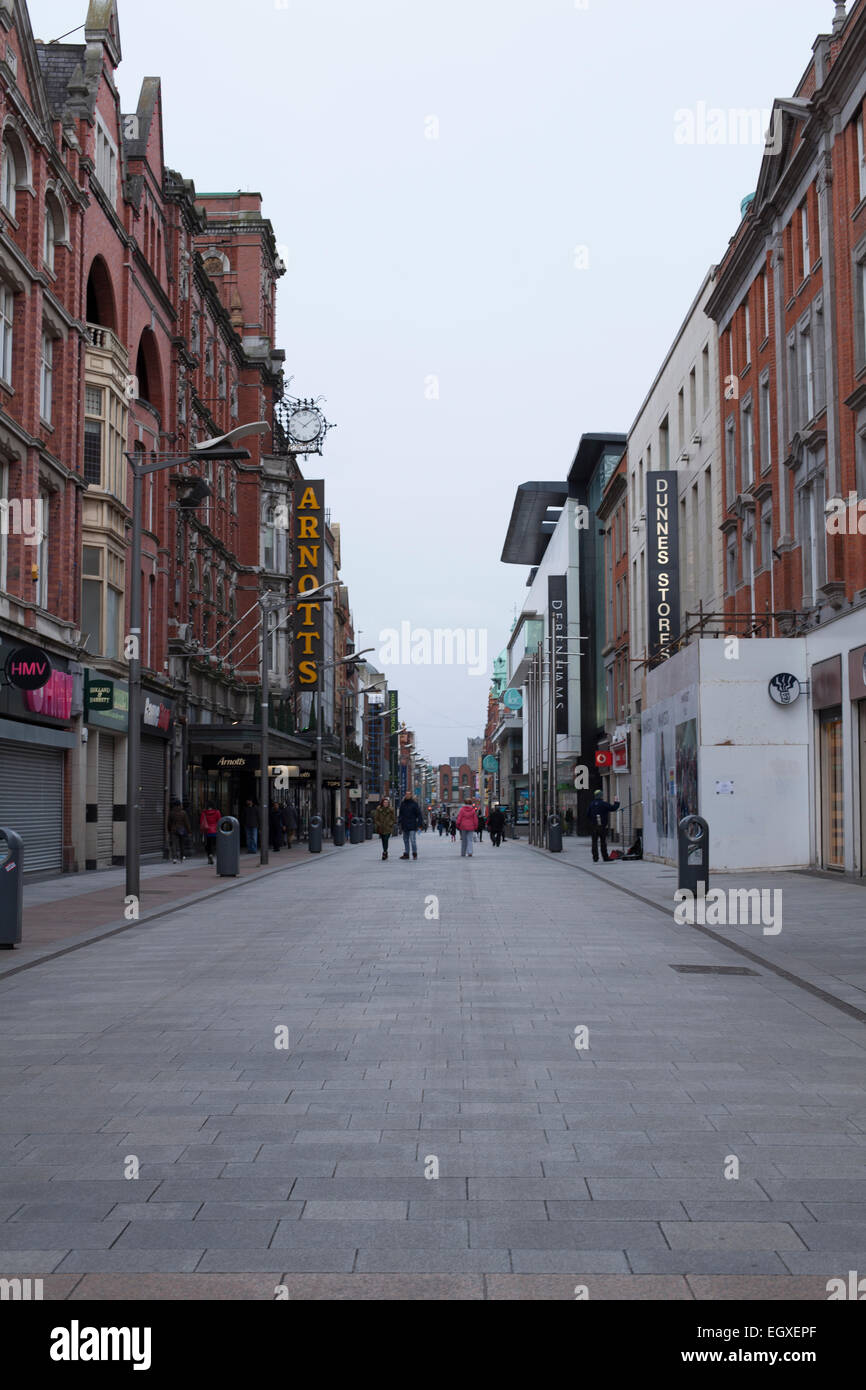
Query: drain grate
[714, 970]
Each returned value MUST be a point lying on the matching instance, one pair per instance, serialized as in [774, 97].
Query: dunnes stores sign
[663, 565]
[309, 573]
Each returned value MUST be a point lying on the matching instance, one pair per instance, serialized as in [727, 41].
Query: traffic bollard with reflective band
[357, 832]
[368, 828]
[339, 831]
[693, 835]
[11, 888]
[228, 848]
[554, 834]
[315, 843]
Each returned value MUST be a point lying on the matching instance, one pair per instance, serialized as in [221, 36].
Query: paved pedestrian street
[442, 1079]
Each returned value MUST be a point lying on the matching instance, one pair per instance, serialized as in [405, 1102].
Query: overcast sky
[450, 264]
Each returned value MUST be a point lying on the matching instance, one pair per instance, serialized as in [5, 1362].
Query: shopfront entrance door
[832, 803]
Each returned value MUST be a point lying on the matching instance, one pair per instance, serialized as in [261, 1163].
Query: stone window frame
[858, 279]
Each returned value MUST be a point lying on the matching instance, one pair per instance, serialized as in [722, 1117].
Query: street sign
[513, 699]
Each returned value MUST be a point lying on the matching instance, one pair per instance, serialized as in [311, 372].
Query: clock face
[305, 425]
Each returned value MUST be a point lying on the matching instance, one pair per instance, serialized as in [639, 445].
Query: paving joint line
[815, 990]
[179, 905]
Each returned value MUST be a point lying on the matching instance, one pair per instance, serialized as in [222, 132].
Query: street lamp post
[218, 448]
[323, 667]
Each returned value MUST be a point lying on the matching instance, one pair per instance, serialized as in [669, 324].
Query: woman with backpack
[467, 824]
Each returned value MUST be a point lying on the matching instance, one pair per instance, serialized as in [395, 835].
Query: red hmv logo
[28, 668]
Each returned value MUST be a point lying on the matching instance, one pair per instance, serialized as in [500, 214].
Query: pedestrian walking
[178, 827]
[383, 823]
[599, 813]
[442, 824]
[251, 826]
[467, 824]
[569, 821]
[275, 827]
[452, 829]
[496, 825]
[410, 820]
[289, 818]
[208, 824]
[481, 823]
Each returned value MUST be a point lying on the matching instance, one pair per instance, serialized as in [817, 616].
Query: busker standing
[599, 812]
[410, 820]
[496, 825]
[178, 828]
[467, 824]
[383, 823]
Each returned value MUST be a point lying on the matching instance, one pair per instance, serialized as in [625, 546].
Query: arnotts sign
[309, 573]
[663, 565]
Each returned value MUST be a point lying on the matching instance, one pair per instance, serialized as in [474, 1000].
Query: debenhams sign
[663, 565]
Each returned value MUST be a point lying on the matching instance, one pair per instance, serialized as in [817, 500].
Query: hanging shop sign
[784, 688]
[28, 668]
[106, 702]
[490, 764]
[557, 606]
[604, 758]
[619, 754]
[513, 699]
[308, 566]
[663, 565]
[156, 714]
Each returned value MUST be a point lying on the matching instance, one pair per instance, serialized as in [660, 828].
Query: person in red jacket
[467, 824]
[208, 822]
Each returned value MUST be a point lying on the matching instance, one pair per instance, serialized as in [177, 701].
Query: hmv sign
[28, 668]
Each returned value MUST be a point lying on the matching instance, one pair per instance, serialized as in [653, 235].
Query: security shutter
[31, 802]
[153, 810]
[104, 825]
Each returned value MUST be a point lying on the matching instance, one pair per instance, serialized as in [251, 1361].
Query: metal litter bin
[339, 831]
[693, 835]
[228, 848]
[11, 888]
[368, 828]
[315, 841]
[356, 833]
[554, 834]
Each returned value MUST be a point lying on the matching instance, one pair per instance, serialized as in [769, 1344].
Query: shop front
[857, 692]
[106, 717]
[157, 722]
[826, 683]
[36, 743]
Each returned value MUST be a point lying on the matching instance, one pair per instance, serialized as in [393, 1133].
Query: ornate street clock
[301, 425]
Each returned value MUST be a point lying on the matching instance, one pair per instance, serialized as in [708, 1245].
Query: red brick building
[790, 304]
[135, 315]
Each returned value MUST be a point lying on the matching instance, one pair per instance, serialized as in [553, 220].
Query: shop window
[832, 794]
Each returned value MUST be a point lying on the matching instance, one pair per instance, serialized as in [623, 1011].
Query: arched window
[221, 598]
[148, 371]
[14, 169]
[193, 579]
[100, 296]
[207, 591]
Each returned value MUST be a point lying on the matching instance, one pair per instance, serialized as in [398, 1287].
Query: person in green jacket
[383, 821]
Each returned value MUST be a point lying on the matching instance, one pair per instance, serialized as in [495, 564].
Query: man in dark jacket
[410, 820]
[289, 818]
[496, 825]
[599, 812]
[251, 826]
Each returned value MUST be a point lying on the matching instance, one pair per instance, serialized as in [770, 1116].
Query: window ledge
[859, 208]
[7, 387]
[46, 424]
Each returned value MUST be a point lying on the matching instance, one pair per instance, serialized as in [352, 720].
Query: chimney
[840, 17]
